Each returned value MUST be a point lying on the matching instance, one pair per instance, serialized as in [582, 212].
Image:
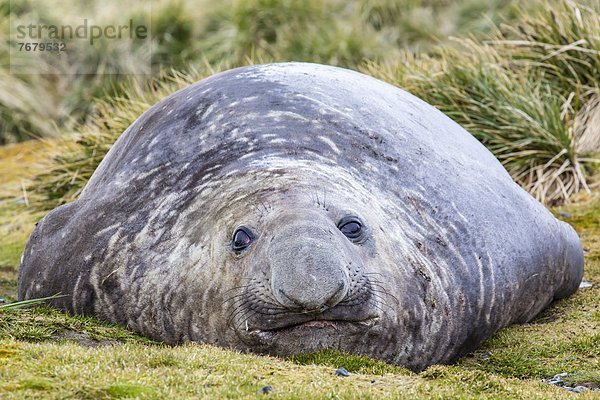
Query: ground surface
[46, 354]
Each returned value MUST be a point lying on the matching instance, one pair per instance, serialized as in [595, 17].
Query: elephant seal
[294, 207]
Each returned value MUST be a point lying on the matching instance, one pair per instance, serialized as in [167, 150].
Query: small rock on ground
[265, 389]
[585, 284]
[578, 389]
[342, 372]
[564, 214]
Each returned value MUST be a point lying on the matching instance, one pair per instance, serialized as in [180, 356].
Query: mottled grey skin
[453, 251]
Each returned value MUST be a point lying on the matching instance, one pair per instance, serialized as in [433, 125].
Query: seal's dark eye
[242, 238]
[351, 228]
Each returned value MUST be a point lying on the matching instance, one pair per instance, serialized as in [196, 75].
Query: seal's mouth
[315, 327]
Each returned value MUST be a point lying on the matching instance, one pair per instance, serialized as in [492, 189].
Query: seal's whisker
[244, 318]
[244, 290]
[380, 303]
[382, 290]
[376, 284]
[237, 331]
[234, 310]
[265, 300]
[383, 302]
[235, 299]
[266, 297]
[241, 314]
[241, 299]
[241, 296]
[239, 311]
[372, 281]
[378, 307]
[235, 326]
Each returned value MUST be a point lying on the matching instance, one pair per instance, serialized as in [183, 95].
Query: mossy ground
[47, 354]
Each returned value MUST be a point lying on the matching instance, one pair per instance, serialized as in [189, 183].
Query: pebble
[265, 389]
[579, 389]
[564, 214]
[342, 372]
[2, 300]
[560, 377]
[585, 284]
[557, 380]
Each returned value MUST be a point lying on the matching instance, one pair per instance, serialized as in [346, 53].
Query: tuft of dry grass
[561, 39]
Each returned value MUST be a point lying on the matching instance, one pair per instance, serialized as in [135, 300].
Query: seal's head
[308, 270]
[301, 250]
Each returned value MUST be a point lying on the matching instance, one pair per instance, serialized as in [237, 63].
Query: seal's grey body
[295, 207]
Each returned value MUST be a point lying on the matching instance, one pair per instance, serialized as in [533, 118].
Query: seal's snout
[308, 267]
[306, 277]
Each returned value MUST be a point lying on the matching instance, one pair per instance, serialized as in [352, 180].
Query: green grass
[69, 369]
[18, 163]
[13, 237]
[352, 363]
[42, 324]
